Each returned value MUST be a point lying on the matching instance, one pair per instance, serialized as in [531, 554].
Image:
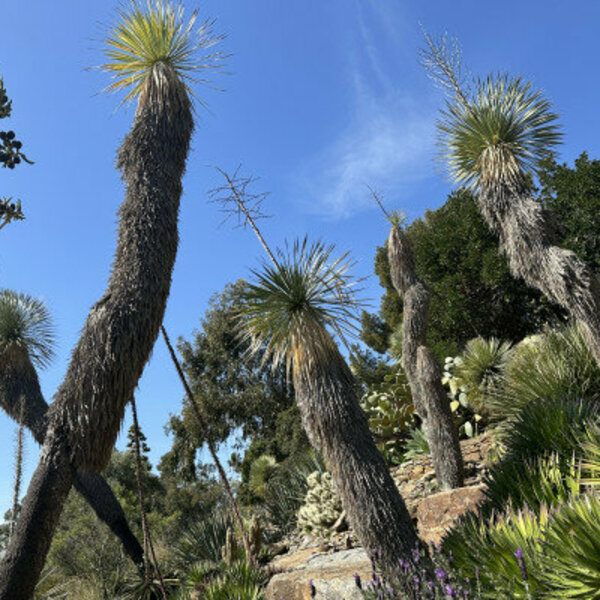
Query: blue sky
[321, 99]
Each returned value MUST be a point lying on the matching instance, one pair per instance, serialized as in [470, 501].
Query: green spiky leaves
[498, 134]
[25, 324]
[292, 306]
[153, 32]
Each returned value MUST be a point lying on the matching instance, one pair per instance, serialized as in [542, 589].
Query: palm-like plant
[153, 50]
[27, 342]
[493, 137]
[296, 308]
[25, 326]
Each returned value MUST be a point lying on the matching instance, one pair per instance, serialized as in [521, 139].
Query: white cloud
[388, 143]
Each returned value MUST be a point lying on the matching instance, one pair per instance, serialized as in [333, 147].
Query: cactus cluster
[233, 551]
[322, 506]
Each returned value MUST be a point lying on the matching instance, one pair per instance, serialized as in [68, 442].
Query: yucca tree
[26, 344]
[493, 137]
[296, 308]
[421, 367]
[153, 53]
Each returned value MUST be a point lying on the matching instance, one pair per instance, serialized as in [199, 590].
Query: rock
[332, 576]
[436, 514]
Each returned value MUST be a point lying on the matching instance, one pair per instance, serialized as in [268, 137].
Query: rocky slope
[331, 564]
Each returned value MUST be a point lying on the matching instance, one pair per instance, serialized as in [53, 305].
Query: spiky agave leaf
[155, 32]
[25, 324]
[294, 306]
[481, 367]
[499, 135]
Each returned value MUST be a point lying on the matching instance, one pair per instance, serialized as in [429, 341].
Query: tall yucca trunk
[422, 369]
[120, 330]
[326, 393]
[527, 236]
[18, 379]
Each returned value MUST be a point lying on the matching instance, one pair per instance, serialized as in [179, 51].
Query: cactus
[230, 552]
[322, 506]
[255, 535]
[389, 410]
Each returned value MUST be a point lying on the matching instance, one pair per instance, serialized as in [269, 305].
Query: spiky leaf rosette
[25, 324]
[293, 308]
[499, 134]
[152, 35]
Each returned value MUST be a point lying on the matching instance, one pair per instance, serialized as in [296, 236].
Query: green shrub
[238, 581]
[203, 540]
[552, 366]
[545, 481]
[541, 451]
[555, 425]
[485, 549]
[571, 550]
[261, 470]
[285, 493]
[479, 370]
[416, 444]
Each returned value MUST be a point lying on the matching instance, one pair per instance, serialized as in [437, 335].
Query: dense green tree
[472, 290]
[242, 397]
[572, 194]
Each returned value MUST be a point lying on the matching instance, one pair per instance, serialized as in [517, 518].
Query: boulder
[437, 513]
[332, 576]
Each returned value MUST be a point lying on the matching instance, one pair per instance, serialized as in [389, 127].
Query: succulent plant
[389, 410]
[322, 506]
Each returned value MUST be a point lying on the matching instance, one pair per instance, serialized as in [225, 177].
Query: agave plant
[555, 365]
[296, 307]
[480, 368]
[493, 137]
[485, 550]
[571, 550]
[152, 51]
[25, 328]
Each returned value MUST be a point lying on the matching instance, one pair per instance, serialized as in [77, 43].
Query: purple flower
[450, 591]
[441, 574]
[311, 588]
[521, 563]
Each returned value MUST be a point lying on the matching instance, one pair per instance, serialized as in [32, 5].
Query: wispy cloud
[390, 140]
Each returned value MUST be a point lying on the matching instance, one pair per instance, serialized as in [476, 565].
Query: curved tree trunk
[121, 328]
[422, 369]
[18, 379]
[336, 426]
[527, 236]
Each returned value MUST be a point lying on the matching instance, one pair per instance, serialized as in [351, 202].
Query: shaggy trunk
[422, 369]
[121, 328]
[18, 379]
[527, 236]
[337, 427]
